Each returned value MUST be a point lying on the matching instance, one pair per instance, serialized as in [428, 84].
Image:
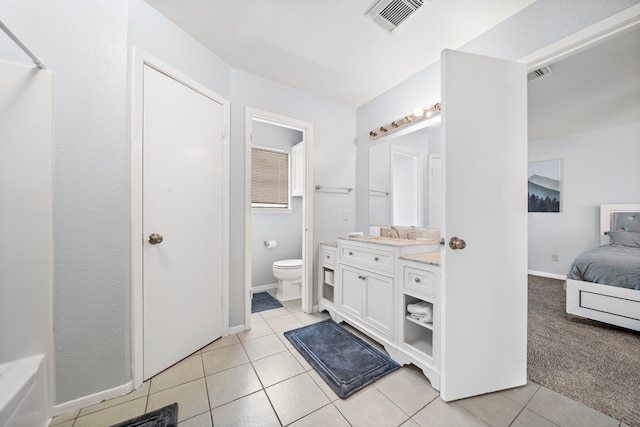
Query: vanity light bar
[414, 117]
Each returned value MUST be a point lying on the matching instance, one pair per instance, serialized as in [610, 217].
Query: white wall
[420, 90]
[84, 45]
[597, 167]
[334, 162]
[285, 228]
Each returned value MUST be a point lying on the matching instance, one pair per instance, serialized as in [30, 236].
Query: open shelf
[418, 337]
[327, 284]
[417, 334]
[417, 322]
[327, 291]
[328, 275]
[410, 299]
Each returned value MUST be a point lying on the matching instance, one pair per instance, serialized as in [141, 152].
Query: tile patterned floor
[256, 378]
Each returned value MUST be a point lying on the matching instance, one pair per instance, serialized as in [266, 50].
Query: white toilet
[289, 275]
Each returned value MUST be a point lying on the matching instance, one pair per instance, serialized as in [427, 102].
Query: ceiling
[329, 47]
[594, 89]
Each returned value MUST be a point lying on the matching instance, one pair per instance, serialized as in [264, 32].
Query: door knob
[456, 243]
[155, 238]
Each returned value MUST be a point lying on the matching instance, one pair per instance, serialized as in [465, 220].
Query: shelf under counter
[417, 322]
[420, 341]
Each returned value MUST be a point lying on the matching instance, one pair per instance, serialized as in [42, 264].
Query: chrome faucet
[393, 232]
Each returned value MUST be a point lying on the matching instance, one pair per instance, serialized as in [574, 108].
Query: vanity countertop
[333, 243]
[388, 241]
[432, 258]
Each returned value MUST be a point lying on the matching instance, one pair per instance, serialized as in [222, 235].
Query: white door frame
[583, 39]
[307, 224]
[435, 195]
[140, 59]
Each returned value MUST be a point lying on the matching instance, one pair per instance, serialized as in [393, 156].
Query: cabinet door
[379, 302]
[484, 291]
[352, 290]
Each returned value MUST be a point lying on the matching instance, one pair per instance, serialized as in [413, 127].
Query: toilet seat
[287, 264]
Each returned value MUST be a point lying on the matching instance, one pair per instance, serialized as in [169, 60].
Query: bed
[604, 283]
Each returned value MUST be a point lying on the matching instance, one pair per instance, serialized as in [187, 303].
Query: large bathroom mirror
[405, 179]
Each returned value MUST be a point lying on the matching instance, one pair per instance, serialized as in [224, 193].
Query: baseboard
[92, 399]
[237, 329]
[547, 275]
[264, 288]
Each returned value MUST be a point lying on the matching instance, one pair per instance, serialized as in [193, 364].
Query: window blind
[269, 178]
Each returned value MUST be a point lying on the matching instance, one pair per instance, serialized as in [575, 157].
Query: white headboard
[606, 215]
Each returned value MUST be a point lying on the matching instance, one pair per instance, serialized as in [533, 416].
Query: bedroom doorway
[578, 87]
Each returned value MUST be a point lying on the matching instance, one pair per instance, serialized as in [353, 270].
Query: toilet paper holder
[270, 244]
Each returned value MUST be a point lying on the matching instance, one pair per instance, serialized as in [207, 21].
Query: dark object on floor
[163, 417]
[583, 359]
[263, 301]
[343, 360]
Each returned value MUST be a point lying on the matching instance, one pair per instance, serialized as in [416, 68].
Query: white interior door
[182, 202]
[484, 293]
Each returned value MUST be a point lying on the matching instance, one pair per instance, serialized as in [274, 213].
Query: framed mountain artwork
[544, 186]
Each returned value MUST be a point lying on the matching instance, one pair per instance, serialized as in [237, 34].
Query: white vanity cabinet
[374, 282]
[419, 341]
[368, 297]
[327, 277]
[368, 285]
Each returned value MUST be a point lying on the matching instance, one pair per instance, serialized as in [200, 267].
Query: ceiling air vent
[391, 13]
[538, 73]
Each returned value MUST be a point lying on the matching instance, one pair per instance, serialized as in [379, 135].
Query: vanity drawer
[420, 280]
[328, 256]
[374, 259]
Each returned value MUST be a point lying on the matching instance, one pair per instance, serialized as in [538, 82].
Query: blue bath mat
[163, 417]
[343, 360]
[263, 301]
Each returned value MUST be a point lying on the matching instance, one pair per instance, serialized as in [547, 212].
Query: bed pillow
[625, 238]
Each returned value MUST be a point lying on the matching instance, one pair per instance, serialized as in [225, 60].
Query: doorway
[180, 225]
[580, 85]
[256, 120]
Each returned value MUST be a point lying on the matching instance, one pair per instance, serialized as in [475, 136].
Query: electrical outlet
[345, 215]
[554, 257]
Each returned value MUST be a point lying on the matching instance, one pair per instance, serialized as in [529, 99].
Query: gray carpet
[591, 362]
